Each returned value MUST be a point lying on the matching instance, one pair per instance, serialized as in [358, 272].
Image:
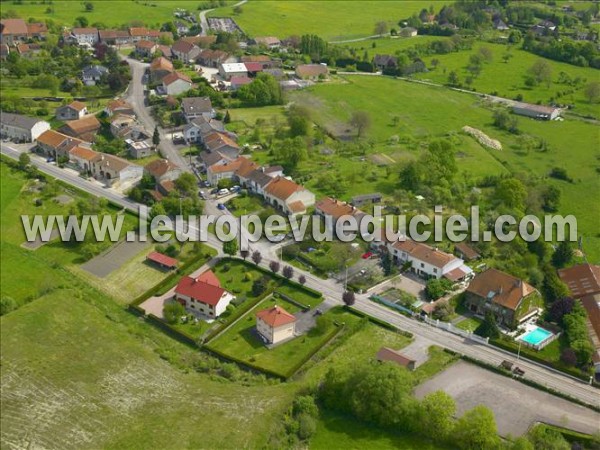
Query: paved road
[135, 95]
[332, 292]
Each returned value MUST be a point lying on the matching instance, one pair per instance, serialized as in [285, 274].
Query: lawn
[241, 342]
[388, 45]
[335, 430]
[332, 21]
[507, 79]
[428, 112]
[110, 13]
[245, 205]
[469, 324]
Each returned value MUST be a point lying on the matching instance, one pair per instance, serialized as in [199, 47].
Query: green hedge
[588, 441]
[379, 322]
[179, 335]
[527, 353]
[291, 300]
[135, 309]
[337, 330]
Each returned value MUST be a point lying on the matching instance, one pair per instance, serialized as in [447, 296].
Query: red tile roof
[502, 288]
[200, 290]
[336, 208]
[254, 66]
[424, 252]
[282, 188]
[162, 259]
[210, 278]
[275, 316]
[145, 44]
[13, 26]
[174, 76]
[387, 354]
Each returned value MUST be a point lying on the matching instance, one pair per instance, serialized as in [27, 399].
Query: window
[434, 270]
[422, 265]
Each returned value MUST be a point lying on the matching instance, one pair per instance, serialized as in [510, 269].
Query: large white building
[203, 294]
[19, 128]
[275, 324]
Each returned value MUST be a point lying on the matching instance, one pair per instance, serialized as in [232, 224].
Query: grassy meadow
[427, 112]
[332, 21]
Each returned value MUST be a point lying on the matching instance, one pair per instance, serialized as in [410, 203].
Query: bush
[568, 357]
[173, 311]
[436, 288]
[307, 426]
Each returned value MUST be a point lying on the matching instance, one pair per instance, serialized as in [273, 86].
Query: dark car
[221, 206]
[214, 191]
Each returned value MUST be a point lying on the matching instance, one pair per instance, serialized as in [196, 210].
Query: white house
[85, 35]
[73, 111]
[203, 294]
[290, 197]
[194, 131]
[194, 107]
[229, 70]
[429, 262]
[275, 324]
[176, 83]
[163, 170]
[21, 128]
[115, 170]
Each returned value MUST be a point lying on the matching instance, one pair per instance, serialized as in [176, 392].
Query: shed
[163, 261]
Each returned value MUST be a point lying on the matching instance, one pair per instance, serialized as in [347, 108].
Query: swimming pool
[536, 336]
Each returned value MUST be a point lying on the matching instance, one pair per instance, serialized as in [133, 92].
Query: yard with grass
[427, 112]
[469, 324]
[326, 19]
[245, 205]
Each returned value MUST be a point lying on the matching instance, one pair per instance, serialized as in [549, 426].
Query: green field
[330, 20]
[427, 112]
[108, 12]
[469, 324]
[507, 79]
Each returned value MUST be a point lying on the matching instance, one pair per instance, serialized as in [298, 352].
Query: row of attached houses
[92, 35]
[20, 128]
[15, 31]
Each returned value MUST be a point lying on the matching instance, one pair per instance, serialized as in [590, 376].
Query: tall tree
[156, 136]
[230, 247]
[256, 257]
[563, 254]
[476, 429]
[361, 120]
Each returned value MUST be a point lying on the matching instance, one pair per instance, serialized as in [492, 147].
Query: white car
[223, 192]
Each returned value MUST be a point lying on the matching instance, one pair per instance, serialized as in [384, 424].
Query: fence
[455, 330]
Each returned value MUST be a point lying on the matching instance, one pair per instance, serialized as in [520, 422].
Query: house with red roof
[289, 196]
[275, 325]
[203, 294]
[176, 83]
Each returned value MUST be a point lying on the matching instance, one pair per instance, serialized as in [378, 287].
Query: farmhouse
[160, 68]
[91, 75]
[229, 70]
[194, 107]
[466, 252]
[13, 31]
[145, 49]
[500, 25]
[203, 294]
[275, 325]
[271, 42]
[114, 37]
[388, 354]
[176, 83]
[311, 71]
[119, 106]
[55, 144]
[28, 50]
[429, 262]
[536, 111]
[185, 51]
[292, 198]
[212, 58]
[19, 128]
[582, 279]
[163, 170]
[408, 32]
[114, 169]
[82, 157]
[198, 128]
[228, 170]
[84, 128]
[337, 209]
[508, 298]
[222, 143]
[72, 111]
[85, 35]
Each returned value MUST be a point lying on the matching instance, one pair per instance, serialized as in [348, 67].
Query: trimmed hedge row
[379, 322]
[179, 335]
[526, 381]
[179, 272]
[534, 357]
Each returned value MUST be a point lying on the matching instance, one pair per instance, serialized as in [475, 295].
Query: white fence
[452, 329]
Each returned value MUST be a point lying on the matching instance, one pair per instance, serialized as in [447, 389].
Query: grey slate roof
[18, 120]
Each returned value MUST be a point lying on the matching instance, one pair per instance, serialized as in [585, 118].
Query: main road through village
[332, 290]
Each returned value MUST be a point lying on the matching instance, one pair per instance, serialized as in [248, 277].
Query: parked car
[235, 188]
[223, 191]
[214, 191]
[203, 195]
[206, 183]
[367, 255]
[221, 206]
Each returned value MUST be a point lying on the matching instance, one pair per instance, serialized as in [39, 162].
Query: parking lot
[516, 406]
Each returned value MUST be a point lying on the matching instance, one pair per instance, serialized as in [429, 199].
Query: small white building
[275, 324]
[176, 83]
[229, 70]
[73, 111]
[536, 111]
[19, 128]
[290, 197]
[203, 294]
[85, 35]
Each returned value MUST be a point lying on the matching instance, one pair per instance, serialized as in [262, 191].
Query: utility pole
[519, 351]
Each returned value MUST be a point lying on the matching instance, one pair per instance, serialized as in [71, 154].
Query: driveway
[516, 406]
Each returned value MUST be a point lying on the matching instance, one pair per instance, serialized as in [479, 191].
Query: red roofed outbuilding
[203, 294]
[162, 260]
[275, 324]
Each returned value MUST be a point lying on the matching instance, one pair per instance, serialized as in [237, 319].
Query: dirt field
[111, 260]
[516, 406]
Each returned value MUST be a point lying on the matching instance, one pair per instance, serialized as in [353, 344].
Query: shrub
[307, 426]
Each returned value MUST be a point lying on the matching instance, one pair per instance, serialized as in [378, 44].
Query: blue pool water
[536, 336]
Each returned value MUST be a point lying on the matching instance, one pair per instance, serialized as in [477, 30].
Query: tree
[288, 272]
[504, 121]
[489, 328]
[156, 136]
[245, 254]
[476, 429]
[541, 71]
[186, 184]
[24, 160]
[551, 198]
[437, 412]
[348, 298]
[237, 10]
[453, 78]
[487, 54]
[89, 6]
[436, 288]
[230, 247]
[256, 257]
[81, 22]
[173, 311]
[291, 151]
[259, 286]
[227, 118]
[563, 254]
[302, 279]
[559, 308]
[381, 28]
[511, 193]
[361, 120]
[386, 263]
[7, 304]
[568, 357]
[592, 92]
[552, 287]
[543, 437]
[274, 266]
